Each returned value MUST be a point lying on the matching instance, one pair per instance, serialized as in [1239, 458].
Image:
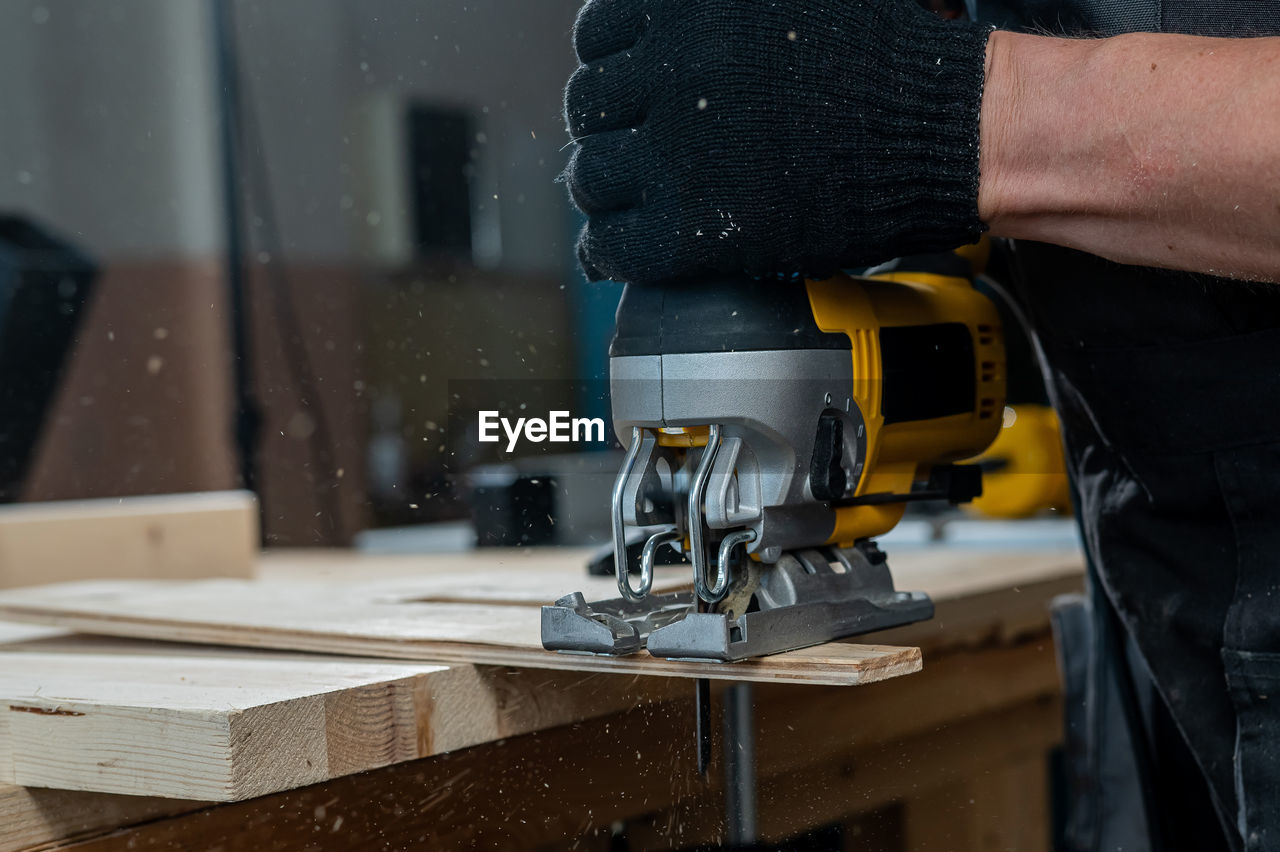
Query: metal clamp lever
[727, 545]
[647, 558]
[697, 526]
[620, 565]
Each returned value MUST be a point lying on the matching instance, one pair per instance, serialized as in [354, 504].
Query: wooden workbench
[952, 758]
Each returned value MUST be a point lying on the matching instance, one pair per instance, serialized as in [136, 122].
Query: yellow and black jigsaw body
[772, 431]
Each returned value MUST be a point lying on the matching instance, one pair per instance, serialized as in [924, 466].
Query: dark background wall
[110, 136]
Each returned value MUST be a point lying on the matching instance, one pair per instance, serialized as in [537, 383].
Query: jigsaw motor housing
[834, 398]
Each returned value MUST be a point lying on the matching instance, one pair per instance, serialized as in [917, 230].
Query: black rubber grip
[722, 315]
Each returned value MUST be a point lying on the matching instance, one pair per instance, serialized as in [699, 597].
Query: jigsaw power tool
[772, 431]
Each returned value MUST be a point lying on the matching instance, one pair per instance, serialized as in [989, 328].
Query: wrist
[995, 121]
[1144, 148]
[1034, 157]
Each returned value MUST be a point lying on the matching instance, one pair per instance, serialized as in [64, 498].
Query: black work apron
[1168, 387]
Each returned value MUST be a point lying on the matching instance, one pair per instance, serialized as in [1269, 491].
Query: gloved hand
[771, 137]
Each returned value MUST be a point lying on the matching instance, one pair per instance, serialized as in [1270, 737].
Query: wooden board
[217, 727]
[481, 607]
[528, 575]
[454, 615]
[21, 633]
[980, 593]
[821, 753]
[222, 724]
[170, 536]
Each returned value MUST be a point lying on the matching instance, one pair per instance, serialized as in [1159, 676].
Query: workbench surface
[529, 758]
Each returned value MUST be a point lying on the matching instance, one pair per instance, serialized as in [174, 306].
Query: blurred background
[272, 236]
[293, 247]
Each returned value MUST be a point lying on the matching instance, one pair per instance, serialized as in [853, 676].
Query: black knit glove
[771, 137]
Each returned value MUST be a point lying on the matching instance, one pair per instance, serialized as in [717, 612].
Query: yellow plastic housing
[901, 453]
[1031, 476]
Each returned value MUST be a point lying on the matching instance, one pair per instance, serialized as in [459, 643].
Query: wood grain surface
[986, 601]
[215, 727]
[223, 724]
[823, 752]
[448, 612]
[171, 536]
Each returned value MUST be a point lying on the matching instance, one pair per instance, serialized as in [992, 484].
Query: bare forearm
[1159, 150]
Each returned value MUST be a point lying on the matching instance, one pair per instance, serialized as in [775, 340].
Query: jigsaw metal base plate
[806, 598]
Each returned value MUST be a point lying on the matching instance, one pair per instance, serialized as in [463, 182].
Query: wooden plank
[221, 724]
[11, 633]
[478, 608]
[32, 816]
[157, 738]
[556, 785]
[498, 575]
[217, 727]
[980, 595]
[523, 574]
[401, 618]
[171, 536]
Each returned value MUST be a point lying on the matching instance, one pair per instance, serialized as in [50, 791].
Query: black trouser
[1168, 387]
